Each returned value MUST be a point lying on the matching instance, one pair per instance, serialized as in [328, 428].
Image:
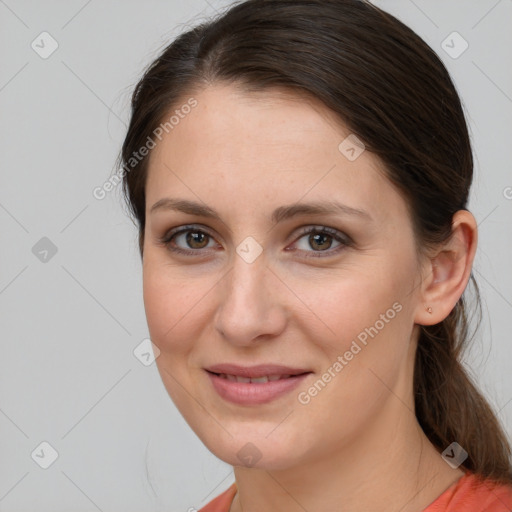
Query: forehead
[269, 145]
[269, 117]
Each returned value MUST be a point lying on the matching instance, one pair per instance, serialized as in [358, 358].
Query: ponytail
[449, 406]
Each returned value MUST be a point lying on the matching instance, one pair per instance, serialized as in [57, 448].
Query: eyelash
[344, 240]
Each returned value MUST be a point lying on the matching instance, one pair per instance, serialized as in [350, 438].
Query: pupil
[194, 237]
[314, 238]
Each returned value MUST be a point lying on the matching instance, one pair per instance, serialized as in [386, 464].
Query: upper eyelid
[186, 227]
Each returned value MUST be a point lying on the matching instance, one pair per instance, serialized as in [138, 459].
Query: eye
[187, 240]
[320, 238]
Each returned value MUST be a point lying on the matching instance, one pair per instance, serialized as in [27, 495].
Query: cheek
[341, 307]
[171, 304]
[364, 318]
[362, 359]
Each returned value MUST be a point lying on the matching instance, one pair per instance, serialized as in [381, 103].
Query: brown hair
[391, 89]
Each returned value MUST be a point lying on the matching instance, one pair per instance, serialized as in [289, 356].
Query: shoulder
[471, 493]
[222, 502]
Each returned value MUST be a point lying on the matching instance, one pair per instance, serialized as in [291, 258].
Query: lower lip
[254, 393]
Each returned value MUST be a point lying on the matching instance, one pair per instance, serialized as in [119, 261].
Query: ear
[447, 271]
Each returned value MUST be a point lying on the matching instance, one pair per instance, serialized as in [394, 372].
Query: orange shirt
[468, 494]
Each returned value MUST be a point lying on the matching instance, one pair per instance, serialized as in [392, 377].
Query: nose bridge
[248, 308]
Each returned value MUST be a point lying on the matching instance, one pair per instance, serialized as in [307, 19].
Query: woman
[301, 187]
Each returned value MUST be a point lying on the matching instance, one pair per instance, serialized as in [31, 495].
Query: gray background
[70, 324]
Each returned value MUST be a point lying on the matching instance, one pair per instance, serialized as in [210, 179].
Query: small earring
[429, 309]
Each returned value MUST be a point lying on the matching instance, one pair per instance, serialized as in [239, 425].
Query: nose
[251, 306]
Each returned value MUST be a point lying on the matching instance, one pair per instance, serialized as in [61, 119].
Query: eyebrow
[280, 214]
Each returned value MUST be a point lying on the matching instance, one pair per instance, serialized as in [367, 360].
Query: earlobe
[448, 271]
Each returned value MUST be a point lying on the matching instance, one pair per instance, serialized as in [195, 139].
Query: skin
[357, 444]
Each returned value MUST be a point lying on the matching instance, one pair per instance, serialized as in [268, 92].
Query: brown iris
[319, 239]
[198, 237]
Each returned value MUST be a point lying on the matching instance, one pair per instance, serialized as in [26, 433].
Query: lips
[254, 385]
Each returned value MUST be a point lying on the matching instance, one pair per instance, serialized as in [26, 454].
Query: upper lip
[256, 371]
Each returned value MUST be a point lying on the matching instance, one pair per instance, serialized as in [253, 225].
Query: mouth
[255, 380]
[275, 371]
[255, 389]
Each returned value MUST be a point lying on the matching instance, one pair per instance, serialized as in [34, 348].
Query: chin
[255, 451]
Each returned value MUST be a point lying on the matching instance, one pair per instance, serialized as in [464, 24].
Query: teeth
[267, 378]
[259, 379]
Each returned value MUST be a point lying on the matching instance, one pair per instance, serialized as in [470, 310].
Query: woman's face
[256, 288]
